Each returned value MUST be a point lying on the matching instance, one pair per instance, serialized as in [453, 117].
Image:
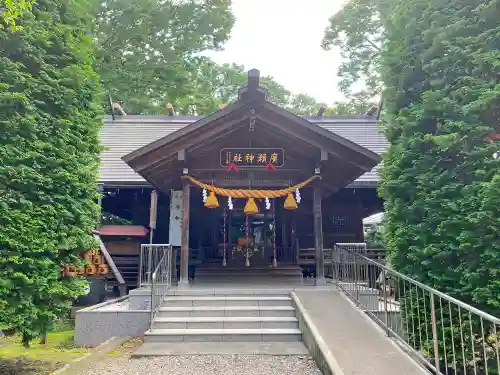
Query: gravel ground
[207, 365]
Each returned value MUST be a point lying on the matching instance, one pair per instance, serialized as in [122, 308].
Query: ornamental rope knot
[251, 194]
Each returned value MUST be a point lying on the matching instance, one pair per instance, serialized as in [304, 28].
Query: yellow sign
[252, 157]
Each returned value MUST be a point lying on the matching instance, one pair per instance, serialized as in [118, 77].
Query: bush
[49, 158]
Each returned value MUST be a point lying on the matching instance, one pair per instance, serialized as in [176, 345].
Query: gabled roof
[252, 104]
[127, 134]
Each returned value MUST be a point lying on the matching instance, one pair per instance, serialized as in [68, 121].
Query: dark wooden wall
[342, 215]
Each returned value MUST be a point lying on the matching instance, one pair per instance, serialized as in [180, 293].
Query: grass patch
[126, 348]
[38, 359]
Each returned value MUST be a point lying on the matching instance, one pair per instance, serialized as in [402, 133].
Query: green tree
[440, 181]
[374, 239]
[148, 48]
[303, 104]
[211, 84]
[357, 104]
[49, 157]
[358, 29]
[10, 10]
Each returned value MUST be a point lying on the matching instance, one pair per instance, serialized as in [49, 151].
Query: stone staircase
[257, 273]
[240, 318]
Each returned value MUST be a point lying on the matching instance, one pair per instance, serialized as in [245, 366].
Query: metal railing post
[331, 263]
[434, 333]
[461, 344]
[356, 286]
[150, 264]
[141, 265]
[384, 291]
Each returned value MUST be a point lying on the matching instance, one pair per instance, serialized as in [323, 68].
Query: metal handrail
[436, 292]
[455, 339]
[161, 281]
[149, 258]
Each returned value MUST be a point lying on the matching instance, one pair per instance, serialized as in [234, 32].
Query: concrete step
[222, 348]
[256, 263]
[227, 322]
[249, 271]
[266, 269]
[252, 280]
[214, 311]
[173, 301]
[218, 335]
[250, 291]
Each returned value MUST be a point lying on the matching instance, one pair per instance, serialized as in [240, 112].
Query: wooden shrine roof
[126, 134]
[342, 160]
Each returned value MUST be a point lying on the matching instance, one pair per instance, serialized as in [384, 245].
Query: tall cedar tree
[49, 156]
[440, 180]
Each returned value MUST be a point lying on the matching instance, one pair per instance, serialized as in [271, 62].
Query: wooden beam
[211, 141]
[314, 138]
[165, 166]
[184, 267]
[167, 146]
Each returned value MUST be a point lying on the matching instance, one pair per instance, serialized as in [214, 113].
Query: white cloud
[282, 39]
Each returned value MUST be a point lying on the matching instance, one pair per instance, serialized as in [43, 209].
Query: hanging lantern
[211, 201]
[290, 203]
[251, 207]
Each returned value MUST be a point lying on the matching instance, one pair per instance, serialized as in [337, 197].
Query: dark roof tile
[126, 134]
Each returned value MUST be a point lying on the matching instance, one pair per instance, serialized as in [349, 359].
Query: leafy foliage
[49, 157]
[148, 48]
[146, 62]
[440, 181]
[358, 30]
[374, 239]
[439, 173]
[10, 10]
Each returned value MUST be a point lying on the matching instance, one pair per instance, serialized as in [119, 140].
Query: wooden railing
[122, 286]
[308, 256]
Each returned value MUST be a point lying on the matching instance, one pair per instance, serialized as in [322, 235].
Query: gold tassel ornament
[290, 203]
[251, 207]
[212, 201]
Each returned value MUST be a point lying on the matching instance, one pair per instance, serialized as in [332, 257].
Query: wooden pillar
[294, 238]
[318, 236]
[229, 254]
[184, 267]
[100, 187]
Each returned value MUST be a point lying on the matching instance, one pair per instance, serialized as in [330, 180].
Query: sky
[282, 39]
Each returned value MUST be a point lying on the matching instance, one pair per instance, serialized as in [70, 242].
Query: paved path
[206, 365]
[357, 345]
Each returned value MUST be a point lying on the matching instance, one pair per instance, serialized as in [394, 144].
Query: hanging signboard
[252, 157]
[176, 209]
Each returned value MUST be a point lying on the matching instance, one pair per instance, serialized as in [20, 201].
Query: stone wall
[96, 324]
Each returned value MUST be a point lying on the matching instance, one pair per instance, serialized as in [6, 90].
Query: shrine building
[251, 189]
